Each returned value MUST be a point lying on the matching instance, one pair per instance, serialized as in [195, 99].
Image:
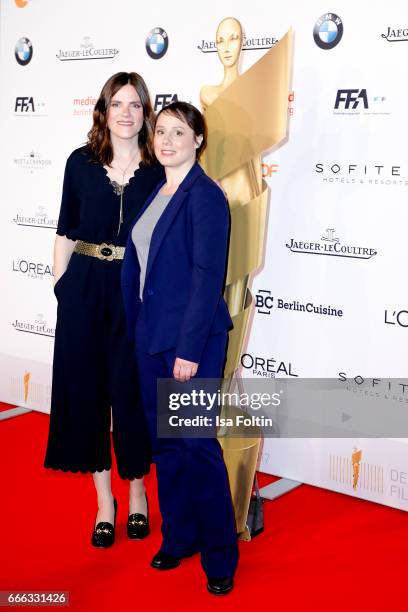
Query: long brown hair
[99, 141]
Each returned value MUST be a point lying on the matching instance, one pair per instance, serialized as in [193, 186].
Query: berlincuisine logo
[265, 301]
[86, 51]
[330, 245]
[248, 44]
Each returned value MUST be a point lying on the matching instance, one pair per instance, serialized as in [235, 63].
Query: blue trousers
[194, 494]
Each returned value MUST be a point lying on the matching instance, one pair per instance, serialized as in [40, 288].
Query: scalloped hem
[75, 470]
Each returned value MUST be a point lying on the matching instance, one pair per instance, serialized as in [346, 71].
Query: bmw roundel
[327, 31]
[23, 51]
[157, 43]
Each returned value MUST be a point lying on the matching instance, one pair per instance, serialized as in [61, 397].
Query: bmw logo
[23, 51]
[328, 31]
[157, 43]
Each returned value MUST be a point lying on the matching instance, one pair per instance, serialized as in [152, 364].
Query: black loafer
[103, 535]
[220, 586]
[161, 561]
[138, 525]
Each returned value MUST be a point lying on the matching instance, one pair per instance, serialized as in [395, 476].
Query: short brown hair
[99, 141]
[190, 115]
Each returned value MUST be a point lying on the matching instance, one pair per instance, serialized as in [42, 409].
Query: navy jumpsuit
[94, 369]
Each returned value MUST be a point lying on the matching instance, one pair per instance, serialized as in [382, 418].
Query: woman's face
[175, 143]
[229, 41]
[125, 113]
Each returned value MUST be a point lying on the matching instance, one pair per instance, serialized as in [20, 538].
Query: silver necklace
[119, 189]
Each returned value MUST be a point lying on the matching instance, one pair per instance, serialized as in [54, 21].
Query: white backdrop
[340, 181]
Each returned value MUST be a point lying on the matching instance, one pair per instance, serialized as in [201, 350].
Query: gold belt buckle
[106, 251]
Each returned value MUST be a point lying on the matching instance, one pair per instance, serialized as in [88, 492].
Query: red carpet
[320, 550]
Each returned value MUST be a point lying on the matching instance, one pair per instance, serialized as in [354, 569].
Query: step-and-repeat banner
[331, 299]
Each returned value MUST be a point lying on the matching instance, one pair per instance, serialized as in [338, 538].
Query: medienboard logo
[87, 51]
[39, 326]
[265, 302]
[330, 245]
[84, 107]
[39, 219]
[253, 43]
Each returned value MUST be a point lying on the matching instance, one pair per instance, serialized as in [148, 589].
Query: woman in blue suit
[172, 280]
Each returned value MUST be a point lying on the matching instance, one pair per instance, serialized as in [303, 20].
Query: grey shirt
[143, 230]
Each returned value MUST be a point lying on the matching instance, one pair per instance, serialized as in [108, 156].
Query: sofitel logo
[395, 317]
[330, 245]
[38, 327]
[265, 303]
[31, 269]
[32, 162]
[380, 388]
[248, 44]
[266, 367]
[370, 174]
[86, 51]
[396, 35]
[40, 219]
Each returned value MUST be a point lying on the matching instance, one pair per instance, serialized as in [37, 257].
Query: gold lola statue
[246, 115]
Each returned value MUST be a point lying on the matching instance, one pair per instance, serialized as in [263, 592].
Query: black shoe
[138, 525]
[220, 586]
[103, 535]
[161, 561]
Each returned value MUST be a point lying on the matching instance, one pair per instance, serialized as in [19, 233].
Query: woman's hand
[184, 370]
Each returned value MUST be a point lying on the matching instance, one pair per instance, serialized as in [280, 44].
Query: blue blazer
[182, 296]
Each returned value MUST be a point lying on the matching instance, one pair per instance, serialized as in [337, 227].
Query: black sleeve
[69, 212]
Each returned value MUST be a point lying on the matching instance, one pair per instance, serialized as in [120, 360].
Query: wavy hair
[99, 141]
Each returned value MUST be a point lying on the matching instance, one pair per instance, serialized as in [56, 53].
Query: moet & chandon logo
[330, 245]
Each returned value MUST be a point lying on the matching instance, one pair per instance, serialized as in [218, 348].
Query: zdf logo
[269, 170]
